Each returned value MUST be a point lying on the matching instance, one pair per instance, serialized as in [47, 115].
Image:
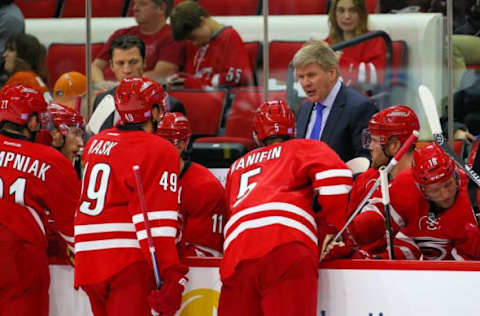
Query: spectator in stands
[363, 63]
[163, 55]
[127, 60]
[215, 54]
[69, 88]
[334, 113]
[202, 203]
[25, 61]
[11, 21]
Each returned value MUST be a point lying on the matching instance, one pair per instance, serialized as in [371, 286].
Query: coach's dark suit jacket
[348, 116]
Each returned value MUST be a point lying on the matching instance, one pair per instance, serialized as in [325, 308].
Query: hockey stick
[386, 206]
[430, 108]
[393, 162]
[143, 208]
[472, 189]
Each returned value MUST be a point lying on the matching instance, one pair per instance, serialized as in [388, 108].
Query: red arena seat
[39, 8]
[204, 109]
[63, 58]
[279, 7]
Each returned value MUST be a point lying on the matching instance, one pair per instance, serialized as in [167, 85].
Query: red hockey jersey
[35, 181]
[109, 228]
[364, 62]
[203, 210]
[421, 233]
[269, 197]
[223, 62]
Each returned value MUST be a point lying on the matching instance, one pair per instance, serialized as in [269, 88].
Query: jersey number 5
[245, 185]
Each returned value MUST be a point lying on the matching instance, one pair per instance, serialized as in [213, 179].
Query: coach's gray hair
[316, 52]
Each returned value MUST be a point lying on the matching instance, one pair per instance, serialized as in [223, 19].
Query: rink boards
[346, 288]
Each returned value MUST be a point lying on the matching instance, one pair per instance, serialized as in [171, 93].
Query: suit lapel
[334, 116]
[303, 124]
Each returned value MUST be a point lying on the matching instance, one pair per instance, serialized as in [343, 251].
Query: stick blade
[430, 108]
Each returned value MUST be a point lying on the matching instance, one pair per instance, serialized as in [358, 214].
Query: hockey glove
[168, 299]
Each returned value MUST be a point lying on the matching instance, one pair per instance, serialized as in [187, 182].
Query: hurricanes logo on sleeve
[200, 302]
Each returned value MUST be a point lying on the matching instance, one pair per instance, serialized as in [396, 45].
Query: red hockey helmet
[174, 126]
[64, 117]
[397, 120]
[19, 102]
[273, 118]
[431, 165]
[135, 98]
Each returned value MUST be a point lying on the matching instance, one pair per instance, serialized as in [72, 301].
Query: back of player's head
[70, 84]
[273, 119]
[125, 42]
[174, 127]
[136, 97]
[398, 120]
[64, 117]
[185, 18]
[19, 103]
[316, 52]
[431, 165]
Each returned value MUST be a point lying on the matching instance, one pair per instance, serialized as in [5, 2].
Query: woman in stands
[362, 64]
[25, 61]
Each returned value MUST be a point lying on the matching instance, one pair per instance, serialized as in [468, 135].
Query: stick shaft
[143, 208]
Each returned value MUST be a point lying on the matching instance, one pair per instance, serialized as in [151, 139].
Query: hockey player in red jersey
[387, 131]
[201, 195]
[34, 180]
[434, 215]
[68, 133]
[112, 258]
[271, 250]
[67, 136]
[215, 54]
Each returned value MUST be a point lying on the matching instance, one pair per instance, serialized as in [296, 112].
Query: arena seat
[372, 6]
[254, 51]
[39, 8]
[204, 109]
[289, 7]
[238, 127]
[100, 8]
[223, 8]
[281, 53]
[63, 58]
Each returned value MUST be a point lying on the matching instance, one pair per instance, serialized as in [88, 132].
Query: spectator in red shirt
[363, 63]
[215, 54]
[163, 53]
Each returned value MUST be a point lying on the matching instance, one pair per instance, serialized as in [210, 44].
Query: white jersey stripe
[158, 232]
[456, 255]
[407, 252]
[106, 244]
[36, 218]
[334, 189]
[333, 173]
[272, 206]
[103, 228]
[68, 239]
[170, 214]
[266, 221]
